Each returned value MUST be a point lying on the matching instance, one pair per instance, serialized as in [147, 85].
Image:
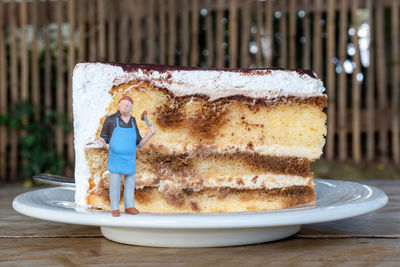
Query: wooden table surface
[368, 240]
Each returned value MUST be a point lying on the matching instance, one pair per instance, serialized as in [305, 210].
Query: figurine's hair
[126, 98]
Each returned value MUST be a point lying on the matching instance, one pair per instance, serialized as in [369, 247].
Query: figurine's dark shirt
[111, 122]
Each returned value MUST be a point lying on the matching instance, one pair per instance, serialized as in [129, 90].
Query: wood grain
[331, 81]
[233, 33]
[219, 35]
[194, 33]
[14, 86]
[370, 120]
[395, 82]
[357, 241]
[356, 87]
[3, 95]
[381, 80]
[342, 91]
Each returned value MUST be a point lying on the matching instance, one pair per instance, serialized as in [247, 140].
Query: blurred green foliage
[36, 138]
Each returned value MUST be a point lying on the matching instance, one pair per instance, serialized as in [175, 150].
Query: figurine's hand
[152, 130]
[101, 142]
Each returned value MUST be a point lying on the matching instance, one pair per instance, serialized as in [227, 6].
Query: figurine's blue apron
[122, 150]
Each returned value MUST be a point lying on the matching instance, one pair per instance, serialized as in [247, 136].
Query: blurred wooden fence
[353, 46]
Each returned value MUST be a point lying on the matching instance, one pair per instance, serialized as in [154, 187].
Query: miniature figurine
[121, 132]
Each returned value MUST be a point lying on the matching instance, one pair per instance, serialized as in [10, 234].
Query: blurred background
[353, 46]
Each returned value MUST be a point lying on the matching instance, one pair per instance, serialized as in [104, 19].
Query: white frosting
[92, 83]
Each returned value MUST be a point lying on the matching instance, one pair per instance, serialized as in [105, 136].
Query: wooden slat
[123, 38]
[60, 86]
[317, 39]
[150, 31]
[259, 22]
[92, 30]
[381, 80]
[269, 22]
[283, 34]
[395, 82]
[24, 51]
[47, 59]
[233, 33]
[307, 36]
[184, 32]
[370, 88]
[14, 86]
[292, 33]
[136, 30]
[209, 34]
[219, 49]
[356, 94]
[245, 35]
[102, 29]
[342, 81]
[162, 30]
[35, 57]
[111, 31]
[3, 96]
[82, 30]
[194, 33]
[331, 77]
[171, 32]
[71, 64]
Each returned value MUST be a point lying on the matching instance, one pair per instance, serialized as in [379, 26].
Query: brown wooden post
[14, 86]
[194, 33]
[283, 35]
[292, 33]
[24, 51]
[395, 82]
[342, 90]
[3, 96]
[233, 33]
[371, 88]
[307, 35]
[171, 32]
[35, 57]
[356, 94]
[82, 31]
[101, 13]
[219, 38]
[111, 36]
[331, 77]
[245, 35]
[184, 32]
[92, 30]
[209, 34]
[317, 39]
[381, 81]
[162, 30]
[60, 85]
[269, 24]
[71, 64]
[259, 24]
[123, 38]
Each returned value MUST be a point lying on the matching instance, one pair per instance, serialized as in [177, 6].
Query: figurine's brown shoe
[131, 211]
[115, 213]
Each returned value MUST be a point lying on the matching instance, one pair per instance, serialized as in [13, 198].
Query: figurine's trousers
[129, 190]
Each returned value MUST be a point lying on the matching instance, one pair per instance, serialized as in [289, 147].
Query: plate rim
[275, 218]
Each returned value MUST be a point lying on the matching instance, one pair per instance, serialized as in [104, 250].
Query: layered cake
[227, 140]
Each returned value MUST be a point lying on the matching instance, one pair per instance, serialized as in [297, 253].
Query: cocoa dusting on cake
[150, 68]
[182, 164]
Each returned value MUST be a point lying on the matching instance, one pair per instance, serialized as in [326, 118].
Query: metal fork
[54, 179]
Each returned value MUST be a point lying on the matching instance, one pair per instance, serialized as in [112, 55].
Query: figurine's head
[125, 104]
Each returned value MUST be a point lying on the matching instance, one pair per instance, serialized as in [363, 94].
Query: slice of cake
[227, 139]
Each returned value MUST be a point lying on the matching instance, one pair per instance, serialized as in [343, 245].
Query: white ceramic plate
[335, 200]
